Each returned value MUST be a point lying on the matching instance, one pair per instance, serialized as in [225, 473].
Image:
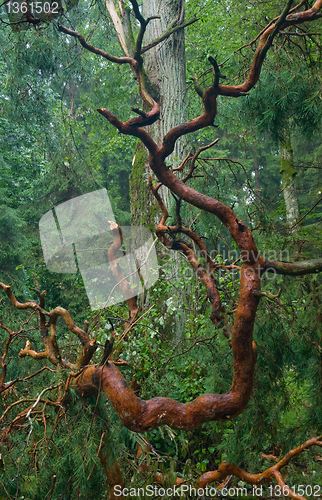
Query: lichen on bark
[288, 174]
[144, 208]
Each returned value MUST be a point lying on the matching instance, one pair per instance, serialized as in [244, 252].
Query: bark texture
[288, 173]
[166, 69]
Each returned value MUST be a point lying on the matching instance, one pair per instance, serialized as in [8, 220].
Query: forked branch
[225, 469]
[51, 351]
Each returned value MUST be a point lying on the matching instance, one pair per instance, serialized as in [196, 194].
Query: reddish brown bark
[135, 413]
[225, 469]
[118, 274]
[139, 415]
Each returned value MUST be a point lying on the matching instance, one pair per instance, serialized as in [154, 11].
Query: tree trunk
[288, 173]
[166, 70]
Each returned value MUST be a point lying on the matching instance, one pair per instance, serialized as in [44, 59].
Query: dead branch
[171, 29]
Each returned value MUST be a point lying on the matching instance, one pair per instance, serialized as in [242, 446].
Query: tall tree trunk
[166, 79]
[166, 70]
[288, 173]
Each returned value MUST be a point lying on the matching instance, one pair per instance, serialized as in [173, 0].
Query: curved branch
[64, 314]
[14, 301]
[27, 351]
[89, 346]
[94, 50]
[138, 121]
[130, 127]
[265, 42]
[118, 273]
[51, 347]
[239, 231]
[139, 415]
[293, 268]
[226, 469]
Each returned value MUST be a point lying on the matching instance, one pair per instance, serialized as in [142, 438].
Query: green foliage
[54, 146]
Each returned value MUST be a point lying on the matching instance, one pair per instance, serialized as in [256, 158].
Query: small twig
[305, 215]
[139, 112]
[270, 296]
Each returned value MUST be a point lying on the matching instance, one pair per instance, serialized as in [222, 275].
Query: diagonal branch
[266, 41]
[94, 50]
[226, 469]
[293, 269]
[169, 31]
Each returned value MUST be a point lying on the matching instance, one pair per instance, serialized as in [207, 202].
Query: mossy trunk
[288, 174]
[144, 208]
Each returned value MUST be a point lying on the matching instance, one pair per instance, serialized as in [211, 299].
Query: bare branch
[94, 50]
[226, 468]
[169, 31]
